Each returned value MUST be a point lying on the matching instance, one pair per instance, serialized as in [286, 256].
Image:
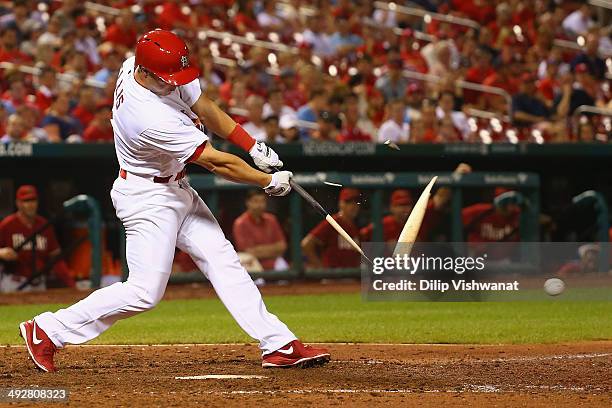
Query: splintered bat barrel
[413, 224]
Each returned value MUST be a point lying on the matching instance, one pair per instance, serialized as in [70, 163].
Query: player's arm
[214, 118]
[268, 250]
[310, 246]
[443, 194]
[233, 168]
[8, 254]
[221, 124]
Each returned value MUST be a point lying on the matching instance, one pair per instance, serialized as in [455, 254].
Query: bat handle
[310, 199]
[306, 196]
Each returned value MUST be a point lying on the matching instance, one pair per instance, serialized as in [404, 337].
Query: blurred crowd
[341, 71]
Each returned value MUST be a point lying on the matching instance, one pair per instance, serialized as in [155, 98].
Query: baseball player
[157, 101]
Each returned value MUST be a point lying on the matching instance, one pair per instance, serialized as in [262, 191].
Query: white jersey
[154, 135]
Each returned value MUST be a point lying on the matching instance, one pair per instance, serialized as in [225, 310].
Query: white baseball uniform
[155, 137]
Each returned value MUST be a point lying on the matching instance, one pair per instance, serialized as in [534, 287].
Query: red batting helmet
[166, 55]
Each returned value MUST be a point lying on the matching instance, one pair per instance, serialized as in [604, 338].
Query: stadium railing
[428, 17]
[462, 84]
[35, 71]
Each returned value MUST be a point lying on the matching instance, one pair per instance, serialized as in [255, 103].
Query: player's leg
[150, 241]
[202, 238]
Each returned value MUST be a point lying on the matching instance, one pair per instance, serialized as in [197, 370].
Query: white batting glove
[279, 185]
[265, 158]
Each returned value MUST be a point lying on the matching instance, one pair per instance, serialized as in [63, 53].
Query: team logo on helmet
[184, 61]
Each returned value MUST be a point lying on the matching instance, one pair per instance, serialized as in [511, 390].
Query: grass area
[345, 318]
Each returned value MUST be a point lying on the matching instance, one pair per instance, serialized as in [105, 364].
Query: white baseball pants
[157, 218]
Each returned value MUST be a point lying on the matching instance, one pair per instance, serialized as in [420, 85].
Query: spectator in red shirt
[502, 26]
[479, 71]
[350, 131]
[549, 85]
[245, 19]
[364, 74]
[75, 64]
[100, 129]
[172, 16]
[9, 47]
[447, 132]
[445, 112]
[122, 32]
[259, 234]
[86, 109]
[429, 124]
[3, 119]
[293, 96]
[31, 117]
[478, 10]
[506, 76]
[14, 230]
[324, 247]
[47, 88]
[411, 55]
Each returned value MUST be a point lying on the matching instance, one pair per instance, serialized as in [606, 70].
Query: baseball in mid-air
[554, 286]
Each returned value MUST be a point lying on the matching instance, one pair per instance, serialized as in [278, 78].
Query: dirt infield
[573, 375]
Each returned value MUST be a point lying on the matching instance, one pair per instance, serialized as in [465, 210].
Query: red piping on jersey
[198, 151]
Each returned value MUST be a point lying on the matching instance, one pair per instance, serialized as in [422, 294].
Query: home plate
[220, 377]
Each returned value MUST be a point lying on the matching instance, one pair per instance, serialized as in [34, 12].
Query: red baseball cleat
[39, 345]
[296, 354]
